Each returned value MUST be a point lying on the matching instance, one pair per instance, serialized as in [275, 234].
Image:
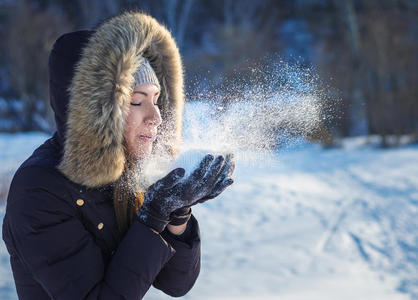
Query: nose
[153, 116]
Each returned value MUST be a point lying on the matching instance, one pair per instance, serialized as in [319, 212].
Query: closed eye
[135, 104]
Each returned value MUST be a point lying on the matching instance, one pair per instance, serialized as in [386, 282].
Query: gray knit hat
[146, 74]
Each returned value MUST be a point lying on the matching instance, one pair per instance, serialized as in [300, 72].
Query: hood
[64, 55]
[100, 92]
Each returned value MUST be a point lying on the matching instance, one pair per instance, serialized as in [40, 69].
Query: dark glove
[181, 216]
[224, 180]
[173, 192]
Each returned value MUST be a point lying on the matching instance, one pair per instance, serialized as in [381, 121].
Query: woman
[79, 223]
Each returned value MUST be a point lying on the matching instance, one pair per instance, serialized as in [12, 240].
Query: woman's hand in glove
[223, 181]
[173, 192]
[182, 215]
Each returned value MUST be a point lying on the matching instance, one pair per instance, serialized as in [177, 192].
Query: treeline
[365, 51]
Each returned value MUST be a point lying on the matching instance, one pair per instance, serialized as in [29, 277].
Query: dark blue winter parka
[60, 227]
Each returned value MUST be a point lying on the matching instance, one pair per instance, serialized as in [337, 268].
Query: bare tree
[247, 33]
[27, 52]
[389, 50]
[94, 11]
[177, 14]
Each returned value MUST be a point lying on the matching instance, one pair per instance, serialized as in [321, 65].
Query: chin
[141, 153]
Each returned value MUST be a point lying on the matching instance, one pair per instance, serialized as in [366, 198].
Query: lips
[147, 137]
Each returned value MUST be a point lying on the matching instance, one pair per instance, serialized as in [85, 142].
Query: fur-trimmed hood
[100, 93]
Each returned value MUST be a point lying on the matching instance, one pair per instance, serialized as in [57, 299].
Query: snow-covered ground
[302, 224]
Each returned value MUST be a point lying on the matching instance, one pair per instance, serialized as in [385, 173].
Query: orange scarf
[140, 199]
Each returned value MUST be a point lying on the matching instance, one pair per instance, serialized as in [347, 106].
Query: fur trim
[100, 96]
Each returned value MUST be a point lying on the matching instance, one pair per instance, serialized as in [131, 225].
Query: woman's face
[143, 119]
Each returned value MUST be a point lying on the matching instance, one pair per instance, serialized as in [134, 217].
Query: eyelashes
[139, 104]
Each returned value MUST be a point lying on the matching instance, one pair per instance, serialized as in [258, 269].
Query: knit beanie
[146, 74]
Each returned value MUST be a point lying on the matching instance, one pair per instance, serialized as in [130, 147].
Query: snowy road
[305, 224]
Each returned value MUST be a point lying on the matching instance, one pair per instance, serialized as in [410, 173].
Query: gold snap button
[100, 226]
[80, 202]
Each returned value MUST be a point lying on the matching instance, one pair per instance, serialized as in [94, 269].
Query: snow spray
[249, 116]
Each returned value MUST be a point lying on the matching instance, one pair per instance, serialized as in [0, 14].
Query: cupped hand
[174, 191]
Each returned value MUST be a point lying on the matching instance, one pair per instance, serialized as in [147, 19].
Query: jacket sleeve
[180, 273]
[62, 255]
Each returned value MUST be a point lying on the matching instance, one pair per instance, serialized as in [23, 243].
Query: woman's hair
[128, 193]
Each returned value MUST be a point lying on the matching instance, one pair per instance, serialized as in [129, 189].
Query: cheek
[133, 121]
[130, 128]
[133, 125]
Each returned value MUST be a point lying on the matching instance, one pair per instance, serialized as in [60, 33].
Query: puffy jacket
[60, 227]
